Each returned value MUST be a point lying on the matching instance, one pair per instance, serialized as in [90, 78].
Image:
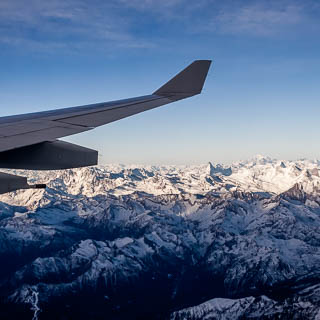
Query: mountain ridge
[164, 242]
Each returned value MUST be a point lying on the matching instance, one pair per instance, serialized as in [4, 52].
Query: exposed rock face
[164, 242]
[219, 169]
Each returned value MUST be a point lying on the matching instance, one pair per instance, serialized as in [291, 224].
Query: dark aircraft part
[187, 83]
[53, 155]
[9, 182]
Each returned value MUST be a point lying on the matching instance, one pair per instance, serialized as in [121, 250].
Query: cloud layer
[77, 24]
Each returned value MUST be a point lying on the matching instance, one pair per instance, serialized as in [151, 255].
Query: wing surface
[28, 129]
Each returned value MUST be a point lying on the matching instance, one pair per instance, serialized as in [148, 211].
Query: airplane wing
[35, 128]
[29, 141]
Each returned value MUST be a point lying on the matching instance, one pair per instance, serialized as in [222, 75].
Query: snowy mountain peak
[260, 159]
[262, 175]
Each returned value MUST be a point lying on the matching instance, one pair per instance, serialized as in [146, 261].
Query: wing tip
[188, 82]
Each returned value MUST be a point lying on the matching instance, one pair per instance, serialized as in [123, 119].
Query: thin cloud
[155, 5]
[258, 19]
[65, 24]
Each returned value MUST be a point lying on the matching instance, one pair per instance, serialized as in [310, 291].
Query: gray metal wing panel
[68, 112]
[101, 117]
[21, 127]
[71, 121]
[34, 137]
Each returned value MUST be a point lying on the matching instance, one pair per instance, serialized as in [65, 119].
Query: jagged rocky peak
[271, 177]
[282, 165]
[210, 169]
[296, 193]
[218, 169]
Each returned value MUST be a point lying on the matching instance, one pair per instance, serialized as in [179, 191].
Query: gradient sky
[261, 96]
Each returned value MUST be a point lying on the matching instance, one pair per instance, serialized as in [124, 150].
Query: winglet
[187, 83]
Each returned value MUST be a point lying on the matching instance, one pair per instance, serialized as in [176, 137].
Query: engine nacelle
[53, 155]
[9, 182]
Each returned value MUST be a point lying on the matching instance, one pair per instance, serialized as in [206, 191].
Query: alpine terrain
[164, 242]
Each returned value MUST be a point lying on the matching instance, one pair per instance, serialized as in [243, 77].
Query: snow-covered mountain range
[164, 242]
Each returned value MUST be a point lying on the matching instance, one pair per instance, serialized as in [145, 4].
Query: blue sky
[262, 94]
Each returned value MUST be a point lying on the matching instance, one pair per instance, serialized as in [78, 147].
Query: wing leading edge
[34, 128]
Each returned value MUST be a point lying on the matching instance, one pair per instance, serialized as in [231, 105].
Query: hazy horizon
[226, 163]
